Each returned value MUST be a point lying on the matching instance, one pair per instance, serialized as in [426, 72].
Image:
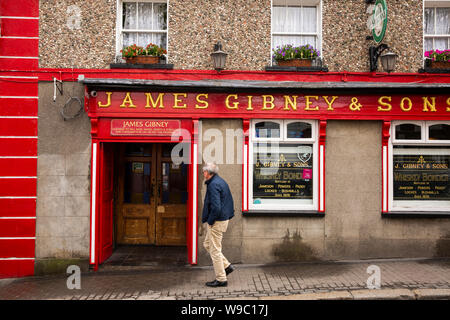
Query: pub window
[283, 165]
[437, 25]
[142, 22]
[296, 22]
[420, 160]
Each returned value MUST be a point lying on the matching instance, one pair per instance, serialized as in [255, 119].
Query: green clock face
[379, 17]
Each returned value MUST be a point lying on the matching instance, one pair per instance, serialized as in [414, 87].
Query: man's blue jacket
[218, 204]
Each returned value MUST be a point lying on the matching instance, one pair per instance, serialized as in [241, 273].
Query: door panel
[172, 199]
[136, 203]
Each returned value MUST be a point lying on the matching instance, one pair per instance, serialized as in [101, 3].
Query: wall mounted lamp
[388, 59]
[219, 57]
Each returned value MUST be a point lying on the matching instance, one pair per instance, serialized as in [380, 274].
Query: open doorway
[150, 203]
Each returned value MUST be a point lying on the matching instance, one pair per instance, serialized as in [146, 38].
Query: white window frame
[415, 205]
[300, 3]
[285, 204]
[253, 128]
[119, 23]
[434, 4]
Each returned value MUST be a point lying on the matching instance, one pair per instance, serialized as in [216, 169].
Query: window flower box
[151, 54]
[301, 56]
[437, 59]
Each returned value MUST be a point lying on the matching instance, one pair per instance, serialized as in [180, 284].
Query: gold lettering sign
[204, 102]
[384, 106]
[108, 103]
[330, 105]
[127, 102]
[154, 103]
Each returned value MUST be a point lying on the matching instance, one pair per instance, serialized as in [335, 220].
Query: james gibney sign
[277, 105]
[143, 127]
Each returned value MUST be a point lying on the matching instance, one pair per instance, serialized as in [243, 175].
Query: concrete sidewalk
[400, 279]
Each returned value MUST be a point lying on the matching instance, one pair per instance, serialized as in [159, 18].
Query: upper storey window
[142, 22]
[437, 25]
[296, 22]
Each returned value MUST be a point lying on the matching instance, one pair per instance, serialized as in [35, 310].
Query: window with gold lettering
[420, 160]
[283, 165]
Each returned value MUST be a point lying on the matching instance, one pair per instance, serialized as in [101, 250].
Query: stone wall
[344, 35]
[63, 43]
[243, 27]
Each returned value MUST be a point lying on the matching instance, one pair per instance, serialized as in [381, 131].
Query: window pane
[129, 15]
[309, 40]
[299, 130]
[407, 131]
[442, 20]
[137, 182]
[440, 43]
[439, 132]
[138, 150]
[160, 39]
[129, 38]
[421, 175]
[160, 16]
[144, 39]
[293, 20]
[428, 44]
[429, 21]
[282, 173]
[282, 40]
[267, 129]
[145, 16]
[278, 19]
[174, 183]
[309, 19]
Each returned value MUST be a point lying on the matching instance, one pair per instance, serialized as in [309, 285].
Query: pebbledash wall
[352, 227]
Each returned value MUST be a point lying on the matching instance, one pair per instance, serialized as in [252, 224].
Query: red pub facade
[323, 165]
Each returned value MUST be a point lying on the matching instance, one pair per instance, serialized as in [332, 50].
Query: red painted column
[245, 164]
[19, 46]
[192, 221]
[385, 165]
[322, 138]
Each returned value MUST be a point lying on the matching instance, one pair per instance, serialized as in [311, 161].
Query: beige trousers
[213, 244]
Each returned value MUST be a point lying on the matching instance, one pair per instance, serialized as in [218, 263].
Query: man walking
[218, 209]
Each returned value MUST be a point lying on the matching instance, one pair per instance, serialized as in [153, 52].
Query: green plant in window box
[148, 55]
[289, 55]
[438, 59]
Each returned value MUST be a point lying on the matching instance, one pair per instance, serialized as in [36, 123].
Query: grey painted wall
[63, 195]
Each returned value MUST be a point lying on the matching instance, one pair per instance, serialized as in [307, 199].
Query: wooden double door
[151, 196]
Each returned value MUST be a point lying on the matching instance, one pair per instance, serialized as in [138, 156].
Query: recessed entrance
[143, 204]
[151, 196]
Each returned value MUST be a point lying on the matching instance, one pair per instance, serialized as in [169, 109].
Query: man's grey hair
[212, 168]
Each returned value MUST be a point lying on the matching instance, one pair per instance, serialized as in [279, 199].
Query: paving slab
[432, 294]
[383, 294]
[333, 295]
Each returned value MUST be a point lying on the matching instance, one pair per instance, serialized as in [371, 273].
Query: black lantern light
[219, 57]
[388, 59]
